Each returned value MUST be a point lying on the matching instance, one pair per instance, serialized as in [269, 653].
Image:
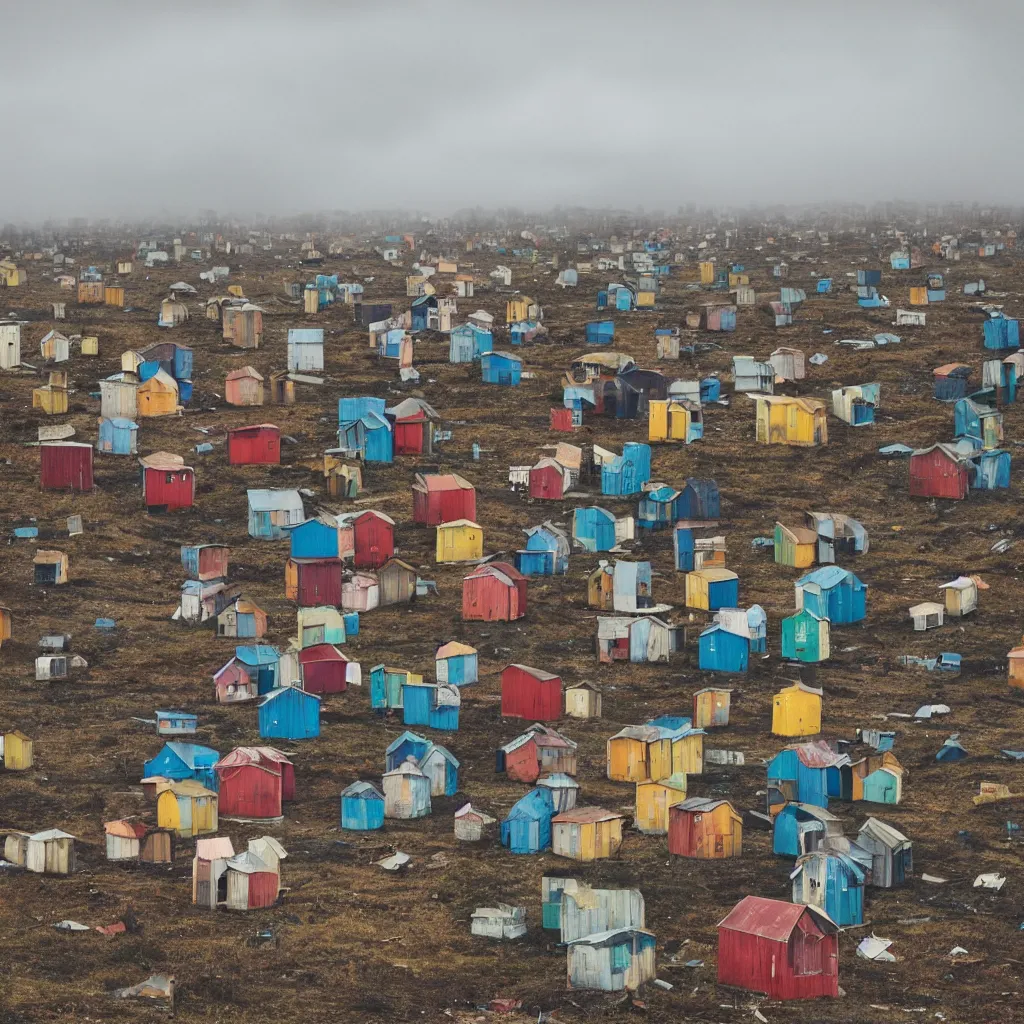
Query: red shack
[938, 472]
[251, 782]
[413, 427]
[65, 466]
[373, 537]
[442, 498]
[785, 950]
[494, 593]
[255, 446]
[312, 582]
[548, 480]
[167, 482]
[530, 693]
[539, 750]
[324, 669]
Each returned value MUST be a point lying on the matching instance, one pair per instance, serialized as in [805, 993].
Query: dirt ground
[357, 944]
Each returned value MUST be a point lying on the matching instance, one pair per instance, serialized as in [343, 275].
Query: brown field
[358, 944]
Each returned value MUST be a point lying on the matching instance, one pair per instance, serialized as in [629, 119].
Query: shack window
[620, 957]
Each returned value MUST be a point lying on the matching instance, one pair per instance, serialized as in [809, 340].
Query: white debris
[395, 861]
[874, 948]
[992, 880]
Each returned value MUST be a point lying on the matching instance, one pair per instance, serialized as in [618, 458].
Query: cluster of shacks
[344, 562]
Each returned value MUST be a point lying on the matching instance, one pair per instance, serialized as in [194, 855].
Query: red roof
[320, 652]
[818, 754]
[770, 919]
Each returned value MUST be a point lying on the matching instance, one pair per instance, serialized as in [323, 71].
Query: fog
[126, 109]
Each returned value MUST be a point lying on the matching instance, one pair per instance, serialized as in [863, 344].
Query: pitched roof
[771, 919]
[585, 816]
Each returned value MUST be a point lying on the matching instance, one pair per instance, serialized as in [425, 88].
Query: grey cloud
[128, 109]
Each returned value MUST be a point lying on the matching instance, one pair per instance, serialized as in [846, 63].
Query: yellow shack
[17, 751]
[796, 711]
[52, 398]
[186, 807]
[586, 834]
[90, 346]
[795, 546]
[919, 296]
[113, 295]
[601, 587]
[707, 272]
[460, 541]
[5, 623]
[158, 396]
[654, 798]
[782, 419]
[639, 753]
[669, 420]
[583, 700]
[90, 292]
[10, 275]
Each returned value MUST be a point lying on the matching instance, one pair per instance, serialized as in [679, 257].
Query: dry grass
[358, 945]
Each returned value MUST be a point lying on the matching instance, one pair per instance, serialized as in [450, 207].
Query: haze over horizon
[266, 108]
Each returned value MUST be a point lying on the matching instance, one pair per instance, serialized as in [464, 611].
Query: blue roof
[257, 654]
[406, 737]
[193, 754]
[825, 577]
[160, 715]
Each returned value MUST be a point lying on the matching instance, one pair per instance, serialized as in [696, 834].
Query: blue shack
[468, 342]
[350, 409]
[824, 286]
[289, 714]
[936, 288]
[378, 443]
[527, 829]
[801, 828]
[501, 368]
[869, 277]
[699, 499]
[435, 705]
[808, 773]
[456, 663]
[419, 310]
[600, 332]
[659, 508]
[627, 473]
[832, 593]
[1001, 333]
[318, 537]
[991, 470]
[722, 651]
[832, 881]
[546, 552]
[362, 807]
[593, 528]
[951, 750]
[261, 661]
[710, 390]
[683, 544]
[899, 260]
[179, 761]
[624, 299]
[409, 744]
[118, 436]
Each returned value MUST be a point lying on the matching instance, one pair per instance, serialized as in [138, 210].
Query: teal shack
[805, 637]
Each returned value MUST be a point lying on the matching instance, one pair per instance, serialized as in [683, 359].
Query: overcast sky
[122, 108]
